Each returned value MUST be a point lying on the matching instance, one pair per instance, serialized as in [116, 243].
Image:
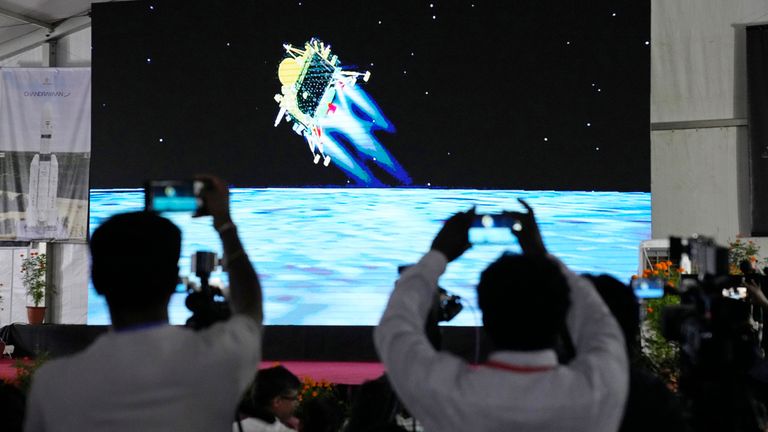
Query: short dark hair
[374, 407]
[324, 414]
[524, 299]
[134, 259]
[273, 382]
[621, 300]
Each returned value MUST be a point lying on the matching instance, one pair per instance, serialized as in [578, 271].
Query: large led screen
[350, 130]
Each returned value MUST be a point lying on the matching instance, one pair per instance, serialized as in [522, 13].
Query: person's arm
[601, 357]
[244, 288]
[601, 360]
[591, 325]
[756, 294]
[527, 231]
[33, 417]
[414, 368]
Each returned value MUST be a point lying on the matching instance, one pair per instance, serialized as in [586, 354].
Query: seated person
[270, 402]
[145, 375]
[525, 299]
[321, 414]
[12, 407]
[375, 409]
[650, 404]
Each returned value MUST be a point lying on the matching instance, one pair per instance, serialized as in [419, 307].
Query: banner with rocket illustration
[45, 148]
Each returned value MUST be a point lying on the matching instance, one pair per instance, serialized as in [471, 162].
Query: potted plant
[740, 251]
[33, 270]
[25, 369]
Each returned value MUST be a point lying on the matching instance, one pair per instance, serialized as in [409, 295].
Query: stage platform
[337, 354]
[343, 373]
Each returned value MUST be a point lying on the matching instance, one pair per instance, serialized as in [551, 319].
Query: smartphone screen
[648, 288]
[491, 229]
[173, 195]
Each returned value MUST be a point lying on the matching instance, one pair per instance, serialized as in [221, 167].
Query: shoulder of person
[236, 323]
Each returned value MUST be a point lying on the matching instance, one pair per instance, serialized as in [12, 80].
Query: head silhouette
[524, 299]
[622, 303]
[323, 414]
[374, 408]
[134, 261]
[273, 394]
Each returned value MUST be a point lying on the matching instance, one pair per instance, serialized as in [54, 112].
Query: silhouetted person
[12, 403]
[146, 375]
[323, 414]
[524, 299]
[650, 405]
[375, 408]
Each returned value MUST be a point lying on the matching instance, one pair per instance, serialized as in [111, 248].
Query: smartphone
[493, 229]
[174, 196]
[497, 220]
[648, 288]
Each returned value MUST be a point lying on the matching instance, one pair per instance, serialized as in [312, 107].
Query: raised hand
[215, 196]
[527, 232]
[453, 238]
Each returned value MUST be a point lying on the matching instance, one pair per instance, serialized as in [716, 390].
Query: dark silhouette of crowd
[148, 375]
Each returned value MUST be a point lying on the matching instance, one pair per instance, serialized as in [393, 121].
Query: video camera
[207, 303]
[718, 345]
[703, 308]
[445, 306]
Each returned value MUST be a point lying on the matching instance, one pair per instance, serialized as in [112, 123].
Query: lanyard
[516, 368]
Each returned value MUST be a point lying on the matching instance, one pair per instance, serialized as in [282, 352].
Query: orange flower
[649, 309]
[314, 394]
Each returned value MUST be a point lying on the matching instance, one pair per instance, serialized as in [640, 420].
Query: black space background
[501, 77]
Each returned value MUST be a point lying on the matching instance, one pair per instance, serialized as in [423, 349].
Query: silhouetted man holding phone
[525, 300]
[146, 375]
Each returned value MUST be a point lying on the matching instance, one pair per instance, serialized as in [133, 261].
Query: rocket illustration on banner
[42, 211]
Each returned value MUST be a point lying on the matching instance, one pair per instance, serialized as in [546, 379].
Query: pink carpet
[334, 372]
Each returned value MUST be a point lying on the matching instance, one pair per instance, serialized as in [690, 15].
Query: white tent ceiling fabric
[13, 12]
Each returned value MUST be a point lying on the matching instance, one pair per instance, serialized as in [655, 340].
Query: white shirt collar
[525, 358]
